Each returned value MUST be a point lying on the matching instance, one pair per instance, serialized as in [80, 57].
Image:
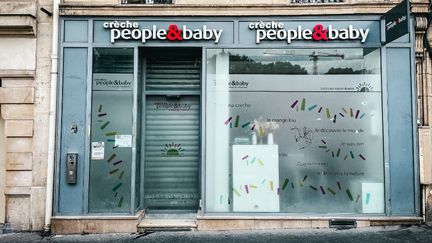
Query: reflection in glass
[296, 131]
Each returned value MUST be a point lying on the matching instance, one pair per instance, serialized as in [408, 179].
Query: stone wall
[25, 48]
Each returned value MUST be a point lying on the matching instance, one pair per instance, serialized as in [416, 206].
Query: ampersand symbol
[174, 33]
[319, 33]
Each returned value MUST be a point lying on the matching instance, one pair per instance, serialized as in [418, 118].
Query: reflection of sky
[352, 58]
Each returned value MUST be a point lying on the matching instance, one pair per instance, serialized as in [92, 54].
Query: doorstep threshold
[153, 224]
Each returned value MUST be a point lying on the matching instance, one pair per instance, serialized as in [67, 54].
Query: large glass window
[111, 130]
[294, 130]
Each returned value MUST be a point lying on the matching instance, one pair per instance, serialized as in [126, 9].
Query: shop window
[294, 130]
[111, 130]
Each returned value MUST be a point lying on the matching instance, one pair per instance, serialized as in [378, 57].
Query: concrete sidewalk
[416, 234]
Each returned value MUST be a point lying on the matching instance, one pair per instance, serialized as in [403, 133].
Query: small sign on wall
[123, 141]
[97, 151]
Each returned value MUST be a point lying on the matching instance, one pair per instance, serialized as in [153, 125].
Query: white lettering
[115, 34]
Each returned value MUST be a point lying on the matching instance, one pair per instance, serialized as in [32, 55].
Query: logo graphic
[172, 106]
[364, 87]
[172, 150]
[275, 31]
[127, 30]
[238, 84]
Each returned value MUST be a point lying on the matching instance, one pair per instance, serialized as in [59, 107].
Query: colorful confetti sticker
[304, 178]
[357, 113]
[338, 152]
[261, 162]
[102, 114]
[312, 107]
[294, 104]
[367, 198]
[118, 162]
[271, 185]
[237, 121]
[313, 188]
[334, 119]
[120, 202]
[352, 154]
[349, 194]
[247, 189]
[303, 104]
[327, 150]
[323, 147]
[301, 184]
[245, 125]
[111, 133]
[351, 112]
[115, 195]
[328, 113]
[331, 191]
[292, 184]
[263, 181]
[358, 197]
[230, 125]
[346, 156]
[342, 115]
[117, 187]
[362, 115]
[104, 125]
[111, 140]
[253, 127]
[114, 147]
[121, 175]
[285, 183]
[228, 120]
[113, 171]
[245, 157]
[320, 109]
[100, 108]
[339, 185]
[361, 156]
[220, 199]
[253, 186]
[332, 154]
[253, 160]
[236, 192]
[344, 110]
[111, 157]
[324, 142]
[322, 190]
[261, 132]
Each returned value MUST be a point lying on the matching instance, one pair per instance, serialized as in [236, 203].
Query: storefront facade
[236, 118]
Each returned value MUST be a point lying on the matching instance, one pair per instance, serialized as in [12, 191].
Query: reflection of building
[175, 96]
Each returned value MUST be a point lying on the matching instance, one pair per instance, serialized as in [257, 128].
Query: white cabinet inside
[255, 178]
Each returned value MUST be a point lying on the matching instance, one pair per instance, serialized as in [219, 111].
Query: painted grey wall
[400, 115]
[73, 112]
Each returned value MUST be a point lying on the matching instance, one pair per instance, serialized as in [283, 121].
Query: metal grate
[147, 1]
[342, 223]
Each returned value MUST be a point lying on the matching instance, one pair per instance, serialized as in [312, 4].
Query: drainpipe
[52, 118]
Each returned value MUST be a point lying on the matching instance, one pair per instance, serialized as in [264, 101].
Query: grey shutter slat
[171, 179]
[173, 72]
